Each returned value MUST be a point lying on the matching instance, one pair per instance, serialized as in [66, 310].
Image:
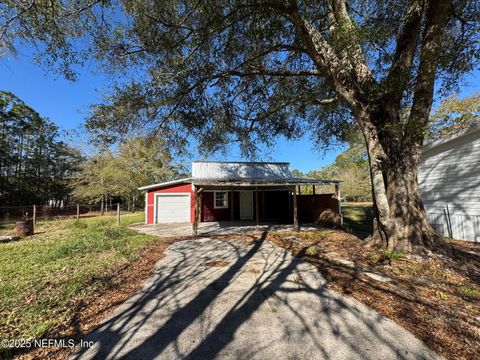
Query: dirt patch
[216, 263]
[248, 238]
[437, 298]
[94, 308]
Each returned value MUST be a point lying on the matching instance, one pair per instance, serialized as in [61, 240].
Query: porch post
[196, 215]
[295, 210]
[337, 194]
[199, 204]
[195, 210]
[232, 205]
[313, 189]
[257, 210]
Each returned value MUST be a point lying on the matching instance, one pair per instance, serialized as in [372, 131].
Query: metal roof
[241, 162]
[222, 171]
[217, 173]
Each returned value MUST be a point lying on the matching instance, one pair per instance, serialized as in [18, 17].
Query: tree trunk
[399, 218]
[400, 222]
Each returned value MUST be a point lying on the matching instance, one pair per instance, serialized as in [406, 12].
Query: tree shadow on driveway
[257, 302]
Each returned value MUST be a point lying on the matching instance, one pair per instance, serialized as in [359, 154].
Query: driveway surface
[232, 300]
[214, 228]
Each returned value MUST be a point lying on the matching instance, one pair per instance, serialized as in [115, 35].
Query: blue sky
[66, 104]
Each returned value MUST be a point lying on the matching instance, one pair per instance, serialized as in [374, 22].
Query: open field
[46, 277]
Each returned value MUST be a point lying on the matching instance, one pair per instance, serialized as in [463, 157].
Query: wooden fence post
[34, 217]
[118, 213]
[78, 211]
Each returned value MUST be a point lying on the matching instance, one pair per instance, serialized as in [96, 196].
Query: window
[220, 200]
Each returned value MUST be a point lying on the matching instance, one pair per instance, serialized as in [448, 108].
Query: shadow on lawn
[357, 219]
[190, 310]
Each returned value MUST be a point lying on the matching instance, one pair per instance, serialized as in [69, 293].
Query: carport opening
[267, 205]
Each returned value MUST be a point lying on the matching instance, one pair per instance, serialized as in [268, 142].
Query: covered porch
[261, 201]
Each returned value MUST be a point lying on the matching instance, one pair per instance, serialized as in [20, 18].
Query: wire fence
[11, 214]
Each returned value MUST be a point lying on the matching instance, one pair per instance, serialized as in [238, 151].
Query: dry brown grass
[217, 263]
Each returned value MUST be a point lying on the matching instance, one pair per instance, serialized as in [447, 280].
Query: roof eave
[167, 183]
[263, 182]
[470, 130]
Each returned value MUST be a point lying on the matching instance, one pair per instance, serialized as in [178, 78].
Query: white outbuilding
[449, 179]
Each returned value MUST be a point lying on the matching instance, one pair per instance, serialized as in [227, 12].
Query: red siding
[176, 188]
[209, 213]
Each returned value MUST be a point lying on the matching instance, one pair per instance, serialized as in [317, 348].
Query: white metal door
[173, 208]
[246, 205]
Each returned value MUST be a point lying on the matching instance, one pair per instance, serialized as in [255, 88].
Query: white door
[173, 208]
[246, 205]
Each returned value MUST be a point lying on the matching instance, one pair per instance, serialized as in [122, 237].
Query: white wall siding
[463, 224]
[449, 174]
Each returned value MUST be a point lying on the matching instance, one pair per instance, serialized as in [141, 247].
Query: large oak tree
[250, 70]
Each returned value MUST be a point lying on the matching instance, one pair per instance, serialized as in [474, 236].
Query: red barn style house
[227, 191]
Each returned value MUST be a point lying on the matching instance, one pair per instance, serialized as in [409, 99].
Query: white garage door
[173, 208]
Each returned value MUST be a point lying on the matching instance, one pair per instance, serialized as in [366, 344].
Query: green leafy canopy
[34, 163]
[236, 70]
[137, 161]
[453, 115]
[226, 71]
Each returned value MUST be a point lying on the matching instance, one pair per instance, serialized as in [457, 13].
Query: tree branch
[323, 56]
[8, 22]
[325, 101]
[275, 48]
[407, 40]
[423, 95]
[347, 31]
[266, 72]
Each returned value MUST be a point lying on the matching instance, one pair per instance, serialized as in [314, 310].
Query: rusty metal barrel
[24, 228]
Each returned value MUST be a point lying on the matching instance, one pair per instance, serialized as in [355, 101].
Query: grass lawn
[357, 218]
[44, 278]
